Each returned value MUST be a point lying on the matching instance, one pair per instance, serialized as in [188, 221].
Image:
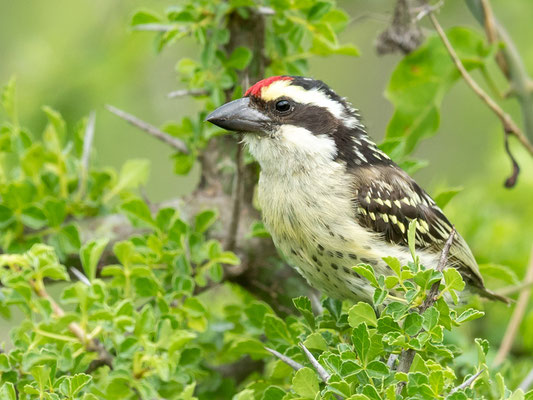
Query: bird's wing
[387, 200]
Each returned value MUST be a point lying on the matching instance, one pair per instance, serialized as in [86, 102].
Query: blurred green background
[77, 56]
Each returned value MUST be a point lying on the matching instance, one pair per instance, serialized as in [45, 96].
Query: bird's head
[292, 117]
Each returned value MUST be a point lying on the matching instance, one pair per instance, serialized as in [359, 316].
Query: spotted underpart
[331, 199]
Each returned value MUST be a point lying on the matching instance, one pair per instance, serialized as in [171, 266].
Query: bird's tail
[489, 294]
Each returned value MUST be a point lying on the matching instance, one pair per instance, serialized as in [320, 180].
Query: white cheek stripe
[314, 96]
[301, 140]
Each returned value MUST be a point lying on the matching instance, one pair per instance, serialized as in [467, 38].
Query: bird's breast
[311, 220]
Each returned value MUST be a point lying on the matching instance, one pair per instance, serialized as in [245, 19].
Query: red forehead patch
[255, 90]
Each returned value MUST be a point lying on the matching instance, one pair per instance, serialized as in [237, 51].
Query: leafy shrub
[148, 312]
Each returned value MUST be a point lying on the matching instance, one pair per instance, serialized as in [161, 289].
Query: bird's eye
[283, 106]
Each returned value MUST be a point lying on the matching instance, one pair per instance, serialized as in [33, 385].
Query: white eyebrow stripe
[313, 96]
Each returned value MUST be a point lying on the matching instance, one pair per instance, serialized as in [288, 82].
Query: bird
[329, 197]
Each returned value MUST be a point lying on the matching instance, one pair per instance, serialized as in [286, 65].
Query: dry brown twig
[509, 126]
[150, 129]
[516, 318]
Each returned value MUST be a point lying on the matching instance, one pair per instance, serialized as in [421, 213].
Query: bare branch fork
[407, 356]
[468, 382]
[509, 126]
[150, 129]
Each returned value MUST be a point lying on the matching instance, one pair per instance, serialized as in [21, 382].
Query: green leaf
[361, 342]
[204, 220]
[6, 216]
[318, 10]
[132, 174]
[138, 212]
[316, 341]
[249, 347]
[72, 386]
[240, 58]
[362, 313]
[469, 315]
[454, 282]
[183, 163]
[412, 324]
[394, 264]
[303, 304]
[367, 272]
[90, 255]
[276, 329]
[411, 238]
[33, 217]
[377, 369]
[431, 318]
[305, 383]
[444, 197]
[7, 99]
[55, 211]
[7, 391]
[422, 78]
[273, 393]
[144, 17]
[227, 257]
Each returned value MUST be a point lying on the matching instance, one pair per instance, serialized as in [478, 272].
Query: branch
[150, 129]
[187, 92]
[468, 382]
[509, 126]
[155, 27]
[516, 318]
[316, 365]
[238, 186]
[289, 361]
[508, 59]
[407, 356]
[87, 145]
[92, 345]
[506, 291]
[527, 382]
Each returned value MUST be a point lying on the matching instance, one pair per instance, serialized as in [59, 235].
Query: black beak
[238, 116]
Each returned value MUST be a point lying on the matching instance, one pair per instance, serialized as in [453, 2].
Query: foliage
[153, 315]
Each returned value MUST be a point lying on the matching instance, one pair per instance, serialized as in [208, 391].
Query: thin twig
[407, 356]
[509, 125]
[78, 274]
[238, 186]
[92, 345]
[527, 382]
[508, 59]
[150, 129]
[516, 318]
[289, 361]
[392, 360]
[154, 27]
[506, 291]
[468, 382]
[316, 365]
[266, 11]
[87, 145]
[187, 92]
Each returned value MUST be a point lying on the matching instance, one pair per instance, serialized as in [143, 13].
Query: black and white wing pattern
[387, 200]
